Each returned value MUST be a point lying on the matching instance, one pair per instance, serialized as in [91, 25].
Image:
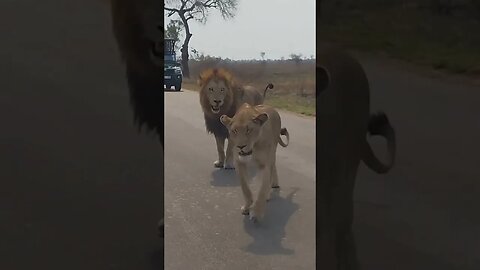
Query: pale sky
[276, 27]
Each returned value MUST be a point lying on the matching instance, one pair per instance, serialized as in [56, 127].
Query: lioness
[255, 132]
[343, 121]
[220, 94]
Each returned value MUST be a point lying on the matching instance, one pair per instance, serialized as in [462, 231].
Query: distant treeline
[445, 7]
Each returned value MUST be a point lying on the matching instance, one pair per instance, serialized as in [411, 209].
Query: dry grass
[294, 82]
[411, 33]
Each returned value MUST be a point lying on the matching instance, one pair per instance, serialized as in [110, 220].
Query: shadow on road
[269, 233]
[224, 178]
[228, 178]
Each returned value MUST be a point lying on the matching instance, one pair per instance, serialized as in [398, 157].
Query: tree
[198, 10]
[173, 31]
[262, 54]
[296, 57]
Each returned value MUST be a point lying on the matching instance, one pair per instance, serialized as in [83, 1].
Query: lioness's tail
[379, 125]
[269, 86]
[284, 132]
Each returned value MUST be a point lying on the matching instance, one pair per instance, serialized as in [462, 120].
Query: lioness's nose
[217, 101]
[241, 146]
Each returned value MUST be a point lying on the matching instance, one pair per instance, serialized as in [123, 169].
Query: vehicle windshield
[170, 64]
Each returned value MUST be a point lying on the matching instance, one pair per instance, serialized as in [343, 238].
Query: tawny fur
[343, 122]
[235, 95]
[255, 132]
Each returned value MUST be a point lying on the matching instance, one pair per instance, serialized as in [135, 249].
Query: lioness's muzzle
[241, 153]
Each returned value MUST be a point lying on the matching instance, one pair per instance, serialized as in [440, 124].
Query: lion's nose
[241, 146]
[217, 101]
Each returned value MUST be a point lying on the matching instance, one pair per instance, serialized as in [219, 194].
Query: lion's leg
[261, 201]
[221, 152]
[229, 156]
[247, 193]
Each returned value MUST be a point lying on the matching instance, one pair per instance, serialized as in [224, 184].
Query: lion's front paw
[218, 164]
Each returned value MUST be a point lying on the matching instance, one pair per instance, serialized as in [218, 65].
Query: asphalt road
[204, 228]
[79, 187]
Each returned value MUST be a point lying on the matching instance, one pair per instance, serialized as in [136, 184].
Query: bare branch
[184, 3]
[171, 11]
[210, 4]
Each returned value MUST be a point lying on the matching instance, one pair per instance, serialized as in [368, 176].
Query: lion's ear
[261, 119]
[200, 80]
[225, 120]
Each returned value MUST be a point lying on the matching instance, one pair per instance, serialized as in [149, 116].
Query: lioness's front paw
[253, 218]
[245, 210]
[229, 166]
[257, 213]
[218, 164]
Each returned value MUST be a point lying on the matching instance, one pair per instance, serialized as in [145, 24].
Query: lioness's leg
[274, 175]
[221, 152]
[273, 181]
[260, 204]
[247, 193]
[229, 156]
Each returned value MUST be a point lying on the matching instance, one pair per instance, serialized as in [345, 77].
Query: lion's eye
[235, 131]
[248, 131]
[223, 89]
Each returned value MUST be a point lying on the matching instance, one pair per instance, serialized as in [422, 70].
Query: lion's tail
[284, 132]
[379, 125]
[269, 86]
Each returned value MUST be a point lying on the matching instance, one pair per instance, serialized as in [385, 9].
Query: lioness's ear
[261, 119]
[200, 80]
[225, 120]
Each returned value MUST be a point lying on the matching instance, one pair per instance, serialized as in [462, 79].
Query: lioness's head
[216, 91]
[244, 129]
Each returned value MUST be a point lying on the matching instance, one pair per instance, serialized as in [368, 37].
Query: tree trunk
[184, 50]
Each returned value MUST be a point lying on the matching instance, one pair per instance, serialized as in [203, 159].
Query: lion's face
[216, 91]
[244, 130]
[138, 29]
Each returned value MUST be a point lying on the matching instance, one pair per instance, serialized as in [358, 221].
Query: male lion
[343, 121]
[255, 132]
[138, 30]
[220, 94]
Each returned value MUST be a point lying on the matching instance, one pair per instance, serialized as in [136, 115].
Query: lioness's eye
[223, 89]
[248, 130]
